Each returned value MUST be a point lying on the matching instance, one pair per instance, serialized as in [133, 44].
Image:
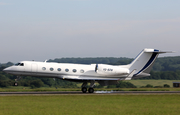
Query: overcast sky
[49, 29]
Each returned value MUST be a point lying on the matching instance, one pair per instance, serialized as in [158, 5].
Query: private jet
[102, 73]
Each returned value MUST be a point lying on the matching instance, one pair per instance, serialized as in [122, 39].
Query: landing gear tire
[84, 89]
[15, 84]
[90, 90]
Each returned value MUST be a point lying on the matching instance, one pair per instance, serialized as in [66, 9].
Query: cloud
[161, 26]
[71, 29]
[144, 27]
[98, 27]
[2, 3]
[164, 20]
[87, 38]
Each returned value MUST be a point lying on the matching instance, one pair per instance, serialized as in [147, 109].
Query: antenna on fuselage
[45, 61]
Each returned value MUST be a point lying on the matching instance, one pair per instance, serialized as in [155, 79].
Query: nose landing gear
[16, 80]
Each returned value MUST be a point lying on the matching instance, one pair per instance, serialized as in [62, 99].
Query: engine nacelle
[110, 70]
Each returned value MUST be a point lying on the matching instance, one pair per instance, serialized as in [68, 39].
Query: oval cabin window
[43, 68]
[66, 70]
[82, 71]
[51, 69]
[59, 69]
[74, 70]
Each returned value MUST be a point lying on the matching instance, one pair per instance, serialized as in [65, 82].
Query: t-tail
[142, 64]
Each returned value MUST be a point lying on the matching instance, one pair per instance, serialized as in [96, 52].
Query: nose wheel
[16, 80]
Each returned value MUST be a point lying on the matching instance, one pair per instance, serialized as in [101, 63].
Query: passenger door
[34, 68]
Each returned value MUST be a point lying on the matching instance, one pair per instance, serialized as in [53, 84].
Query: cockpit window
[22, 64]
[19, 64]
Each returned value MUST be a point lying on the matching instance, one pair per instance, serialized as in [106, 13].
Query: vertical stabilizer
[144, 61]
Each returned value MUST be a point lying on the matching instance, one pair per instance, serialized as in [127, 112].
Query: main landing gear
[90, 90]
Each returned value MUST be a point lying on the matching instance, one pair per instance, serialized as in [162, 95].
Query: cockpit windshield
[19, 64]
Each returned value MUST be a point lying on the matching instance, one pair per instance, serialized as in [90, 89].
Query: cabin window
[82, 71]
[66, 70]
[74, 70]
[43, 68]
[51, 69]
[59, 69]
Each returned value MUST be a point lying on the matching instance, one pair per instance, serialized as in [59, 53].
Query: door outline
[34, 67]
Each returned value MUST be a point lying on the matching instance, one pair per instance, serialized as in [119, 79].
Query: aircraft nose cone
[6, 70]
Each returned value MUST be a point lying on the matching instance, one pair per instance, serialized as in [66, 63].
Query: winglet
[129, 77]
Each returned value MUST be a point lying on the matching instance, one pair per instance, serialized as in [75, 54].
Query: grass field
[138, 83]
[27, 89]
[90, 105]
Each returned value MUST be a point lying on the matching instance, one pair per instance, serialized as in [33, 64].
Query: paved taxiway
[96, 92]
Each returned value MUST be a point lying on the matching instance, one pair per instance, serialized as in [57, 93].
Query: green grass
[135, 82]
[90, 105]
[27, 89]
[139, 83]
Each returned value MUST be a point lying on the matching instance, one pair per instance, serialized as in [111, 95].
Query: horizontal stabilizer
[157, 51]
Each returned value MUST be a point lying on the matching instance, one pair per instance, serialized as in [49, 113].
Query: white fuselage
[68, 71]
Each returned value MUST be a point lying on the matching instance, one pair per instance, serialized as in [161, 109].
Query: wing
[86, 78]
